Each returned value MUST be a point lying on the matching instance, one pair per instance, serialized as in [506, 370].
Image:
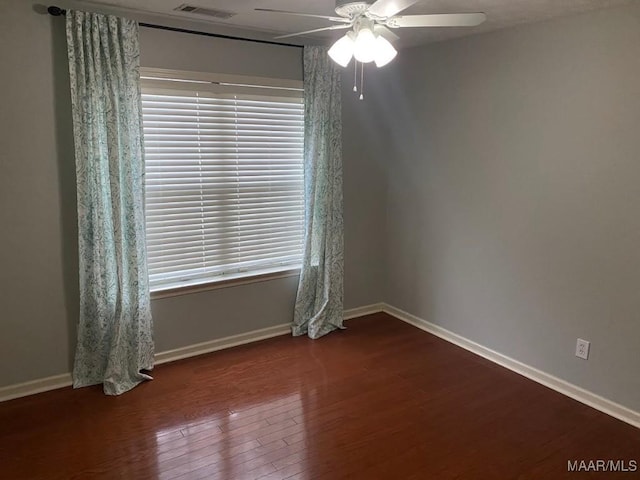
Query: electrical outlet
[582, 349]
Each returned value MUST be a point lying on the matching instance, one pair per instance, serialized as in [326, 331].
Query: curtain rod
[57, 12]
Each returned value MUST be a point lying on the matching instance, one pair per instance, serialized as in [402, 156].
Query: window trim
[155, 80]
[161, 78]
[230, 281]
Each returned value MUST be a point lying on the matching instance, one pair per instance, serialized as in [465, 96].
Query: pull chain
[355, 76]
[362, 82]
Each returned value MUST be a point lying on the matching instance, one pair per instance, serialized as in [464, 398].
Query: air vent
[220, 14]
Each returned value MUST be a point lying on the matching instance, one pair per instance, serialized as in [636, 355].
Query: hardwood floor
[381, 400]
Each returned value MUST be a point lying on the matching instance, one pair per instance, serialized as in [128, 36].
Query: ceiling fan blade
[388, 8]
[438, 20]
[332, 27]
[385, 33]
[286, 12]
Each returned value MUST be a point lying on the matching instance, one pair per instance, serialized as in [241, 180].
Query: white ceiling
[500, 13]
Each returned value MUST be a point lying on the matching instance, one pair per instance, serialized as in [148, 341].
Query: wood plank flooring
[381, 400]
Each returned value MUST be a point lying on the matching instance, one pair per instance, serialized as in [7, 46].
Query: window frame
[163, 81]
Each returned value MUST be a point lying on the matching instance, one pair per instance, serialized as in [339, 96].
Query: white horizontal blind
[224, 184]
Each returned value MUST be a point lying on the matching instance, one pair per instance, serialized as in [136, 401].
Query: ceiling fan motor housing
[351, 9]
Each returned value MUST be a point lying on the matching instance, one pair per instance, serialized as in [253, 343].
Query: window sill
[224, 283]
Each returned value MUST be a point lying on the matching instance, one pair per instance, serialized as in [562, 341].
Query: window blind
[224, 184]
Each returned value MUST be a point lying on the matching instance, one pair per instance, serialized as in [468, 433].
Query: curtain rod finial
[56, 11]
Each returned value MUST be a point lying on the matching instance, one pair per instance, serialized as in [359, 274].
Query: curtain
[115, 330]
[319, 301]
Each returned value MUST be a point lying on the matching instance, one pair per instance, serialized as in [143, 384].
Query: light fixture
[365, 45]
[384, 52]
[342, 51]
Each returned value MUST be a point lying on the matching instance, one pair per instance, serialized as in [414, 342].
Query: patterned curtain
[114, 331]
[319, 303]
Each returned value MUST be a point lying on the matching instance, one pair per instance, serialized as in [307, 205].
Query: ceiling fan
[369, 23]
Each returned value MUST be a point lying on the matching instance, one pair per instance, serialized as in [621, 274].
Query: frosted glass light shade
[342, 51]
[384, 52]
[365, 46]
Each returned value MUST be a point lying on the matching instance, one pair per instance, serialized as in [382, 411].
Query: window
[224, 176]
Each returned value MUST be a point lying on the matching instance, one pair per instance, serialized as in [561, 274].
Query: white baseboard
[221, 343]
[35, 386]
[570, 390]
[573, 391]
[60, 381]
[249, 337]
[362, 311]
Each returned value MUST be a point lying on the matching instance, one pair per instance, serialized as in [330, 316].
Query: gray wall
[364, 198]
[38, 259]
[38, 252]
[183, 51]
[513, 195]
